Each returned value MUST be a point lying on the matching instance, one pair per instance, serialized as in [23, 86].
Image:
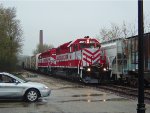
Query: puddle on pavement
[89, 100]
[16, 103]
[87, 95]
[117, 99]
[61, 88]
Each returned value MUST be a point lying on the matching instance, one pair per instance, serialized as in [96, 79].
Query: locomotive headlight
[104, 69]
[88, 69]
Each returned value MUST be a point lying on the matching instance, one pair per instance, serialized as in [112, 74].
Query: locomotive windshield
[91, 45]
[84, 45]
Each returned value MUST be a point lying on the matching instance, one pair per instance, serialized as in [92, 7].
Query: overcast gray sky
[66, 20]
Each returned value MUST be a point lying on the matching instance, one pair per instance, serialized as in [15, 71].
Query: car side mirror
[17, 82]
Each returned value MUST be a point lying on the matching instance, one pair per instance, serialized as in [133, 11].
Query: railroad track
[126, 91]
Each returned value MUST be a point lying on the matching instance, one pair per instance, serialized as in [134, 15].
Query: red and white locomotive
[81, 59]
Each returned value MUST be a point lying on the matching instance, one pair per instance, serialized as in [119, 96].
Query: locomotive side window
[92, 45]
[98, 45]
[76, 47]
[82, 45]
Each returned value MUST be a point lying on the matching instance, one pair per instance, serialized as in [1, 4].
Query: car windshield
[20, 76]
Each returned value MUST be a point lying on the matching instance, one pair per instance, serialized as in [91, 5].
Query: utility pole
[140, 105]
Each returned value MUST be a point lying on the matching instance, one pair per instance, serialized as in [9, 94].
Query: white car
[12, 86]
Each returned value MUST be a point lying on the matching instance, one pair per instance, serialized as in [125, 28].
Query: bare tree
[125, 31]
[113, 33]
[104, 34]
[116, 31]
[133, 30]
[146, 23]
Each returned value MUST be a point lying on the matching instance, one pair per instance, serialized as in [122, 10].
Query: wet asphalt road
[69, 97]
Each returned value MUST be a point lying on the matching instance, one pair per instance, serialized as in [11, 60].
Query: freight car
[132, 59]
[115, 51]
[123, 59]
[31, 62]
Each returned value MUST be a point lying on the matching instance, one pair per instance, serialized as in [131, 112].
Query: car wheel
[32, 95]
